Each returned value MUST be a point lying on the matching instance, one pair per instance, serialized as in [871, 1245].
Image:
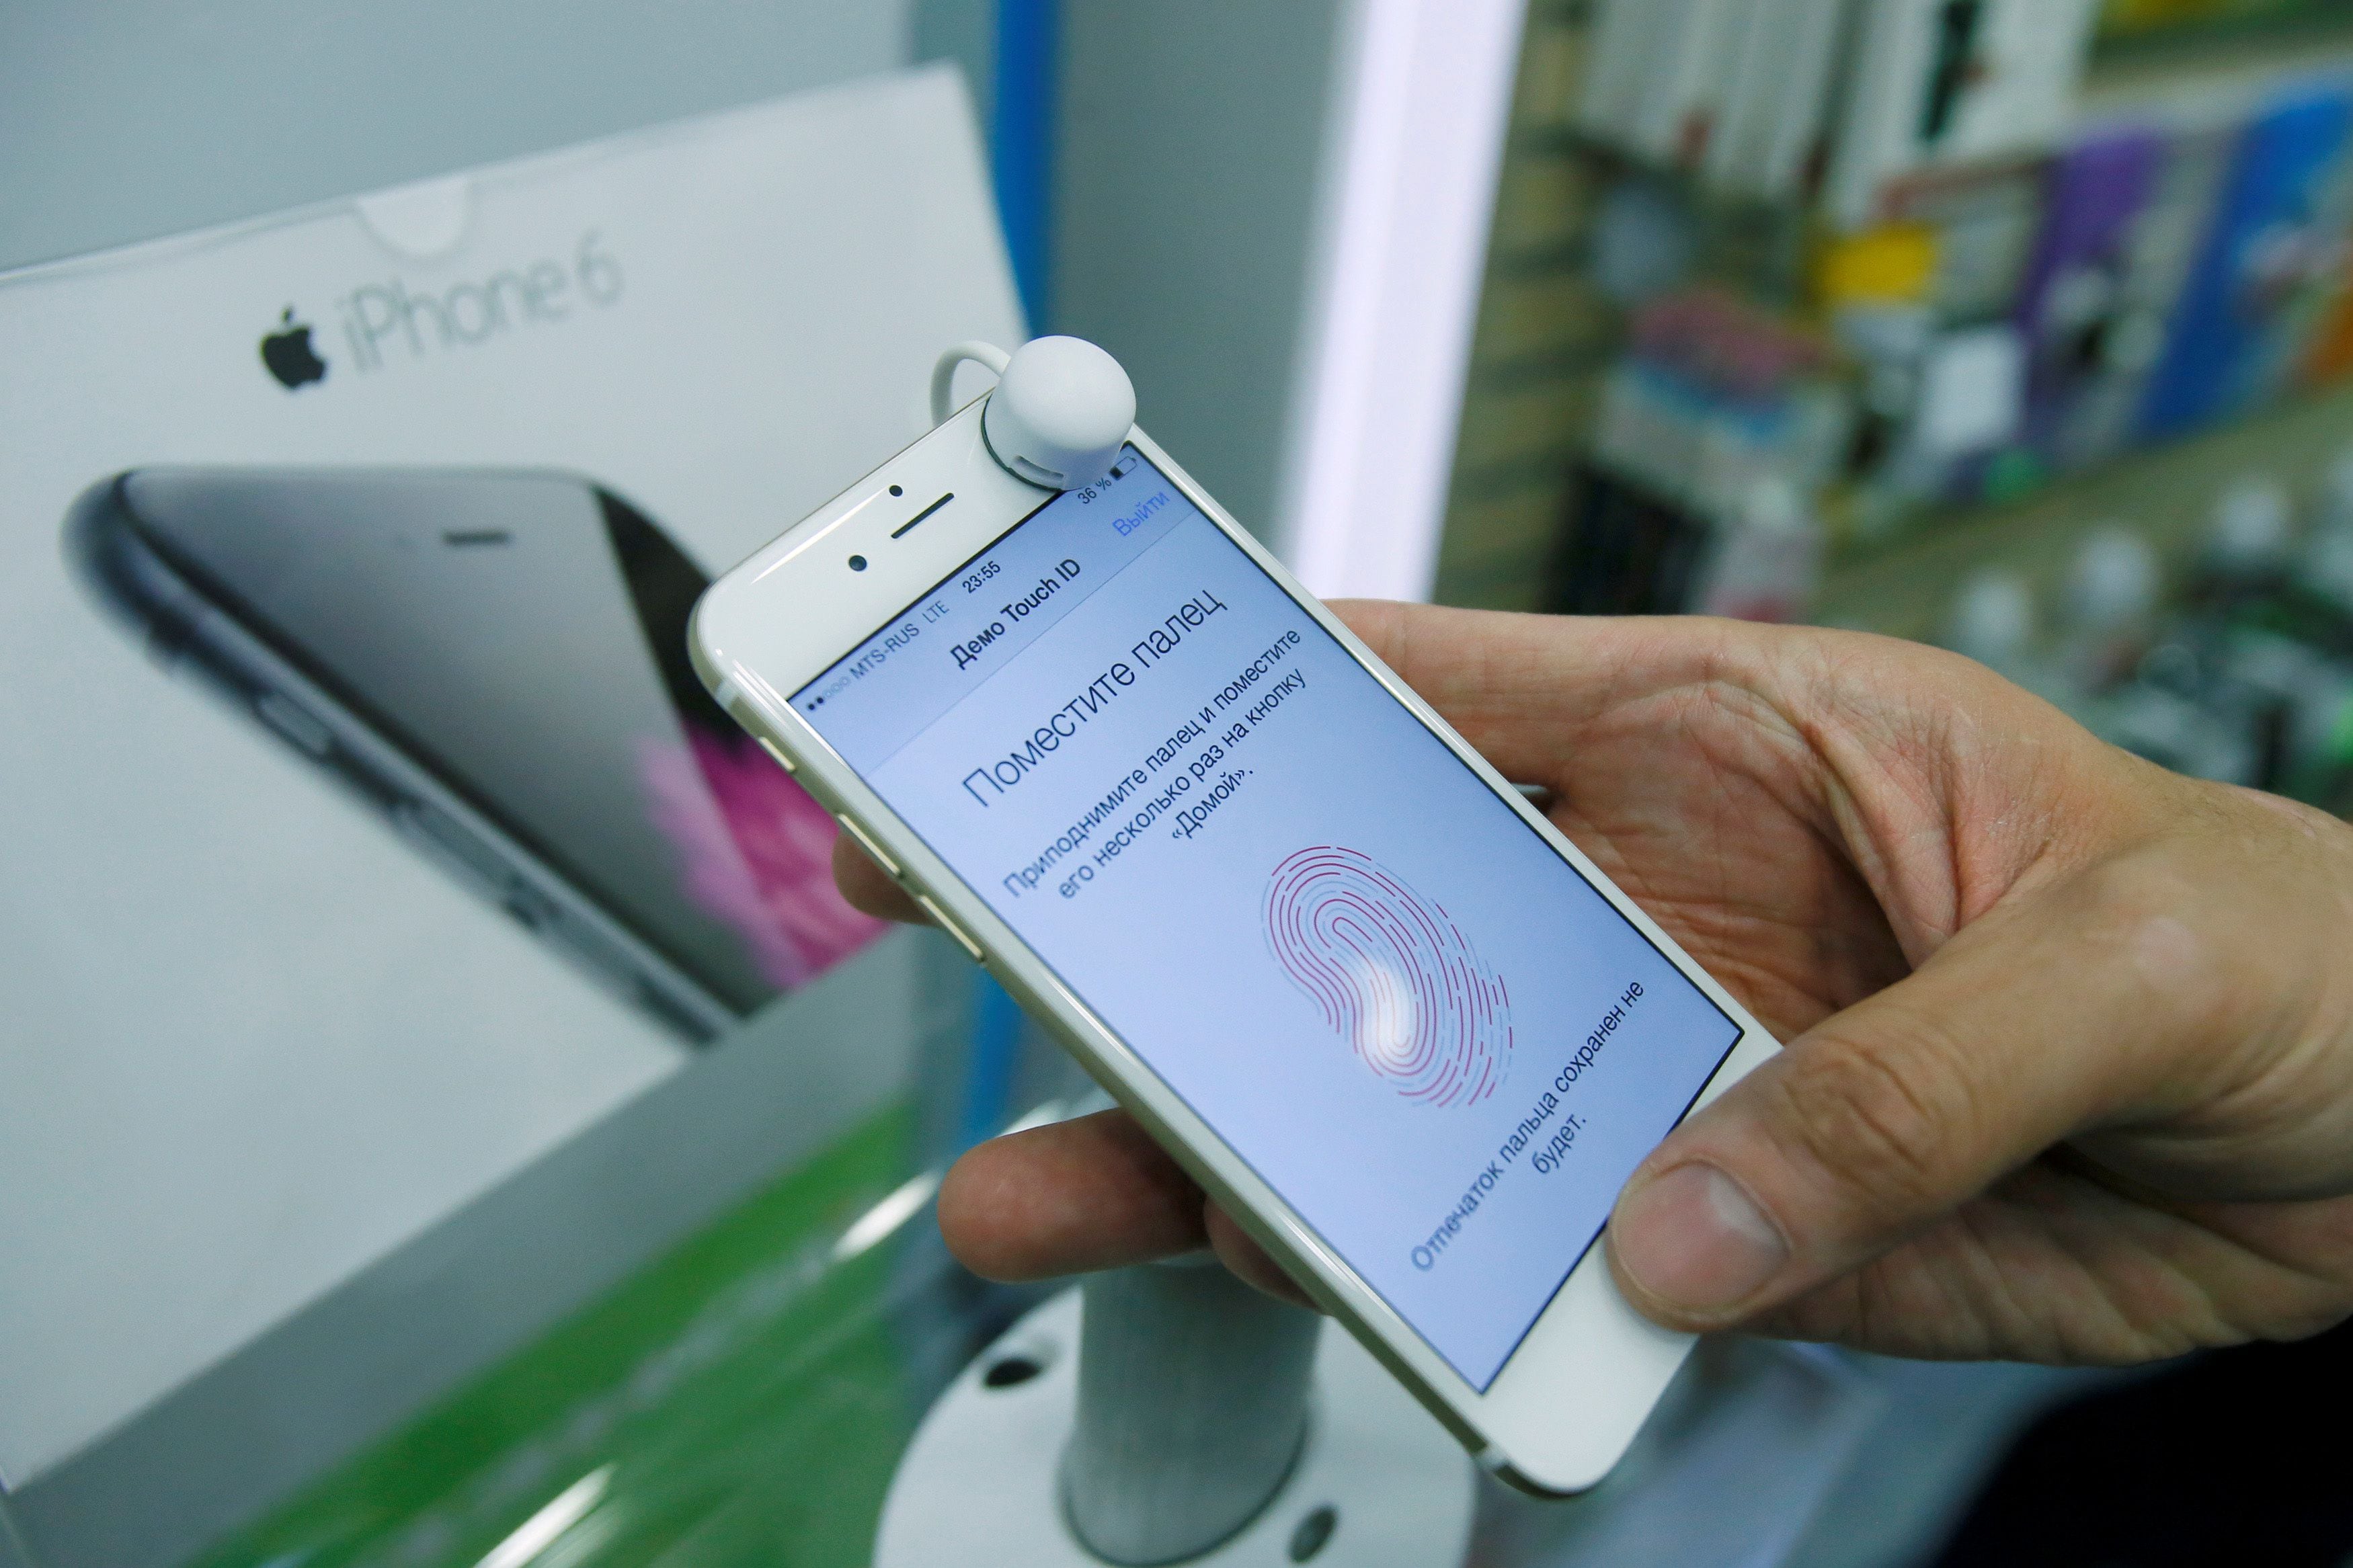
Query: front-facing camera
[857, 564]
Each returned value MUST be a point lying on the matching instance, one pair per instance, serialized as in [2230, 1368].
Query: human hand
[2070, 1063]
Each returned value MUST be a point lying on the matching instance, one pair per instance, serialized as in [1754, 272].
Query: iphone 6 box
[368, 833]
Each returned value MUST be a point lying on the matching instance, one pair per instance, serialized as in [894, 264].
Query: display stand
[1170, 1413]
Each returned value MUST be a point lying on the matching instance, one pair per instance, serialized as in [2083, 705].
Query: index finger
[869, 887]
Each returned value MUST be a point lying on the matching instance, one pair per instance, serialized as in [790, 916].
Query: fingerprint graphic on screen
[1392, 974]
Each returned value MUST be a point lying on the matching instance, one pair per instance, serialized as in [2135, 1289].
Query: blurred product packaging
[370, 845]
[2016, 265]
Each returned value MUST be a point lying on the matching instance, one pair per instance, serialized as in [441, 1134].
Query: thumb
[2035, 1021]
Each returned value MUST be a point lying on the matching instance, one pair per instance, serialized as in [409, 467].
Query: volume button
[871, 847]
[777, 752]
[949, 926]
[296, 722]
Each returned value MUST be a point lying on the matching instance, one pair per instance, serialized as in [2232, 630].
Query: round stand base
[1379, 1484]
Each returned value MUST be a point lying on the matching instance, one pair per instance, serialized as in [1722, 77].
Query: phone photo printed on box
[498, 661]
[370, 836]
[1390, 994]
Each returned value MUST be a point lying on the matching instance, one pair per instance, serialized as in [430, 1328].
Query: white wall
[1189, 151]
[131, 118]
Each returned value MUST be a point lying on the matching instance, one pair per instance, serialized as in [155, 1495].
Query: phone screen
[1386, 990]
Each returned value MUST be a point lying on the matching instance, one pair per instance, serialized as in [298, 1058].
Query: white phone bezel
[1575, 1391]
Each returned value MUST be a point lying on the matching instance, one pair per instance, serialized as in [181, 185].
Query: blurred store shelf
[2167, 495]
[1553, 322]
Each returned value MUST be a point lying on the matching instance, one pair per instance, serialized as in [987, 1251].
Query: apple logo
[288, 354]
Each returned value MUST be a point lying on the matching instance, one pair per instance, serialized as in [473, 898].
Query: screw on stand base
[988, 1480]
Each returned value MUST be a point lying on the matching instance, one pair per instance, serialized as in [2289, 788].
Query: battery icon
[1124, 467]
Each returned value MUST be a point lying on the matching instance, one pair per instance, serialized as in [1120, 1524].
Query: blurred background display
[2018, 326]
[2023, 327]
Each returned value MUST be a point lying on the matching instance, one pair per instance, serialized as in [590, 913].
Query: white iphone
[1387, 1015]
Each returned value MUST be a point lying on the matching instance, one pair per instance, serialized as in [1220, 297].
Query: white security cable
[943, 373]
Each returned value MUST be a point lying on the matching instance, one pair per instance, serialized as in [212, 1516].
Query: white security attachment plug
[1059, 413]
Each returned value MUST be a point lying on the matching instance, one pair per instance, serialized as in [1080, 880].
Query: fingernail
[1693, 1239]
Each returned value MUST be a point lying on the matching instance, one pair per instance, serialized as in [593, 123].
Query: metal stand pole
[1186, 1419]
[1192, 1409]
